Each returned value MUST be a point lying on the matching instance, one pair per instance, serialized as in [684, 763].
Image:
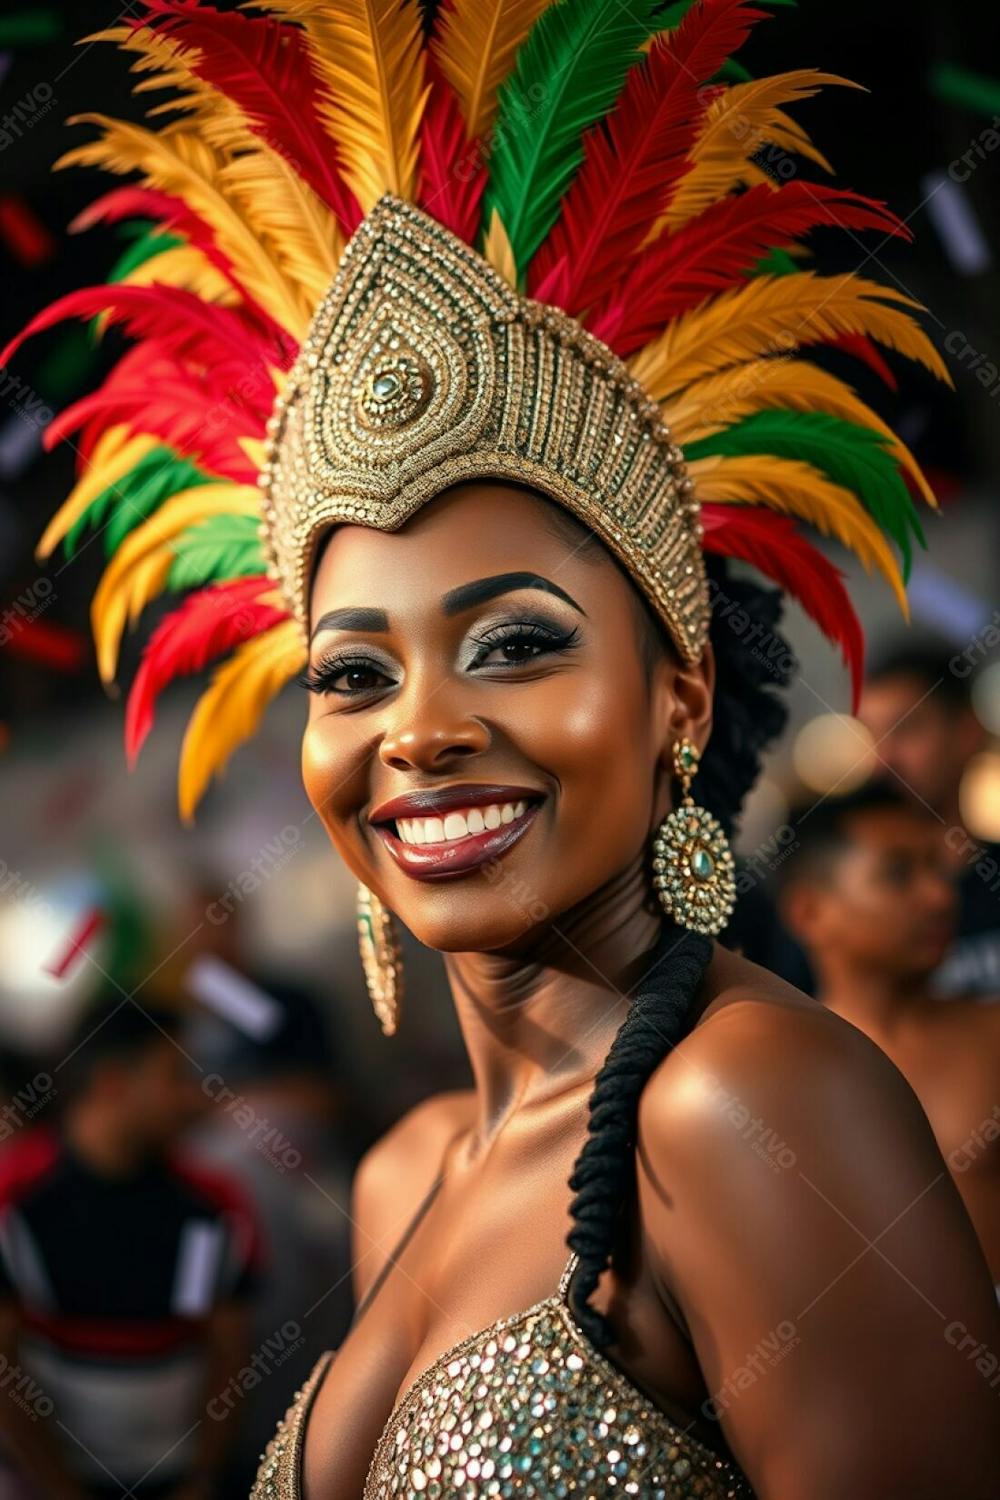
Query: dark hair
[113, 1029]
[825, 833]
[748, 715]
[929, 662]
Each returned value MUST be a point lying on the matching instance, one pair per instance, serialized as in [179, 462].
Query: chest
[430, 1371]
[523, 1406]
[956, 1083]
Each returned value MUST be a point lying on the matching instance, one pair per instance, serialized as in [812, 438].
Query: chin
[461, 924]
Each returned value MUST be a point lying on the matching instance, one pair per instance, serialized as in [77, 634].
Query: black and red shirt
[114, 1278]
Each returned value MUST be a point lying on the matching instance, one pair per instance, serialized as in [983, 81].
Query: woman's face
[486, 746]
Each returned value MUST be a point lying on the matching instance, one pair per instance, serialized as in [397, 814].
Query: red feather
[263, 66]
[130, 202]
[716, 250]
[452, 169]
[208, 623]
[144, 378]
[772, 544]
[182, 324]
[634, 158]
[175, 216]
[178, 406]
[862, 348]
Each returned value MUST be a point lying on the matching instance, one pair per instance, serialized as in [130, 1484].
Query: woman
[534, 711]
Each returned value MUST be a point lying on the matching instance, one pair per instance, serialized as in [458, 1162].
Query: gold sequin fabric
[423, 368]
[526, 1407]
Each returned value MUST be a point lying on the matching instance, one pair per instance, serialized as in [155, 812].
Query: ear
[800, 908]
[683, 695]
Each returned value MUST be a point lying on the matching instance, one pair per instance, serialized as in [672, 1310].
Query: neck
[101, 1144]
[538, 1024]
[873, 1001]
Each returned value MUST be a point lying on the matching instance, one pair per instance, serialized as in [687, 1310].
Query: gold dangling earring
[380, 958]
[693, 871]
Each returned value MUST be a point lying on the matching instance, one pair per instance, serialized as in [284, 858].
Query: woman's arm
[797, 1206]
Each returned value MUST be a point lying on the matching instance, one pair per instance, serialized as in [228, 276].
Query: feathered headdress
[600, 160]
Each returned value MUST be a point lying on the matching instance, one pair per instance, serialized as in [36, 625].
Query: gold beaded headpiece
[422, 368]
[531, 239]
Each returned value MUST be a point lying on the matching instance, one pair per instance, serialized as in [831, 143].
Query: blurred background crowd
[189, 1067]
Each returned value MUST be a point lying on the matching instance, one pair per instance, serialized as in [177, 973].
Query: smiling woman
[504, 334]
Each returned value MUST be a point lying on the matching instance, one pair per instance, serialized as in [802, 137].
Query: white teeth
[455, 826]
[458, 824]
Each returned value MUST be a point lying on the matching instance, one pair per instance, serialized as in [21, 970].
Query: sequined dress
[526, 1407]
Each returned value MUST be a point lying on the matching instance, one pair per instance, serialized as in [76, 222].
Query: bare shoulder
[764, 1044]
[395, 1174]
[789, 1181]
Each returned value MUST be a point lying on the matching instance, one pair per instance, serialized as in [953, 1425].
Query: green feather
[851, 455]
[672, 15]
[133, 498]
[148, 241]
[733, 72]
[220, 547]
[568, 74]
[776, 262]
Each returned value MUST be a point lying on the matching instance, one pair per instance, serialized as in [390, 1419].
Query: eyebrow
[484, 589]
[480, 591]
[352, 619]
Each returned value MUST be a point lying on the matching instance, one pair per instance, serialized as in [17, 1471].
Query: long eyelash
[317, 679]
[555, 640]
[312, 679]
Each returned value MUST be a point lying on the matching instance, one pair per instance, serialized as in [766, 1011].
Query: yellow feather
[475, 50]
[181, 162]
[187, 267]
[774, 315]
[736, 124]
[131, 578]
[300, 231]
[369, 55]
[784, 384]
[114, 455]
[230, 709]
[497, 250]
[788, 484]
[787, 133]
[255, 449]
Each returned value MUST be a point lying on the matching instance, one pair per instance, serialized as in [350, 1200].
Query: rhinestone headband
[423, 368]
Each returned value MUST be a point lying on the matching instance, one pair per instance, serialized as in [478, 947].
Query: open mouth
[437, 835]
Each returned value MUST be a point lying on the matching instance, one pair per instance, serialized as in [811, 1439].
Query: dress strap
[399, 1247]
[567, 1276]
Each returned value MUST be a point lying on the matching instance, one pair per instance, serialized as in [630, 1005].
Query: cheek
[594, 735]
[335, 773]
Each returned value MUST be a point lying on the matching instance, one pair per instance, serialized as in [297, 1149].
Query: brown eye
[515, 645]
[348, 677]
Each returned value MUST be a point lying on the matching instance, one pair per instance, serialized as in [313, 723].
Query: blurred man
[278, 1118]
[917, 707]
[870, 897]
[124, 1279]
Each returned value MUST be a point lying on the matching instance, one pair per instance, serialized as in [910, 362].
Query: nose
[433, 737]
